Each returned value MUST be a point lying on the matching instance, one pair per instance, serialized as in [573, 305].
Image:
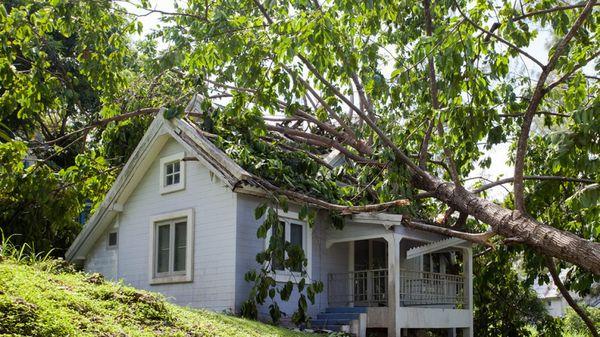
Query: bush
[575, 325]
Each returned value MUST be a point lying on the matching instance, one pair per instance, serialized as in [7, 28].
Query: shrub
[574, 324]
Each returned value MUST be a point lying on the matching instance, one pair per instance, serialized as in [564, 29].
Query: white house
[555, 303]
[552, 298]
[179, 220]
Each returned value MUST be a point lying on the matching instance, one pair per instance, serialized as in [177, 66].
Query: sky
[499, 153]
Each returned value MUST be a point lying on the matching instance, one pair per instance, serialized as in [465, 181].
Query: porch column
[350, 270]
[468, 273]
[393, 241]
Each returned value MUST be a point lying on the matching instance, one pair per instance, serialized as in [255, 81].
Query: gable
[158, 134]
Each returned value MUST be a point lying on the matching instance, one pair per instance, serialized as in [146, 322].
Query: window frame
[287, 275]
[164, 161]
[171, 276]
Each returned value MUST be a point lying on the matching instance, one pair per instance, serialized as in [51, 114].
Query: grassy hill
[47, 298]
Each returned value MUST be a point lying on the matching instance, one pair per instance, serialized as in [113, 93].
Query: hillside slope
[48, 299]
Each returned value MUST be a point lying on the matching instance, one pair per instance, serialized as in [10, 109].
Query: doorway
[370, 272]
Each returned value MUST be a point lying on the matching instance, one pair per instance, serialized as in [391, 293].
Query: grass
[45, 297]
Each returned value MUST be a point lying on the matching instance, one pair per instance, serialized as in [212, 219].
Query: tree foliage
[415, 96]
[62, 66]
[506, 306]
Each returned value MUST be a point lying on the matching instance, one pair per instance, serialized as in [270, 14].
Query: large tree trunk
[513, 224]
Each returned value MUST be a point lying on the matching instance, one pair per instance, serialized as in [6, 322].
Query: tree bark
[514, 224]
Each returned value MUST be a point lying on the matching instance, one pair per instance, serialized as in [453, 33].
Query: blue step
[324, 322]
[327, 327]
[341, 315]
[342, 310]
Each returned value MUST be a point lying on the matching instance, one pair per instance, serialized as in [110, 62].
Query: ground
[48, 298]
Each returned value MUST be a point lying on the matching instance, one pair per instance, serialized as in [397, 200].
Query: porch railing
[367, 288]
[419, 288]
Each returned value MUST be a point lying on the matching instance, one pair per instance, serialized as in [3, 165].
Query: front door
[370, 272]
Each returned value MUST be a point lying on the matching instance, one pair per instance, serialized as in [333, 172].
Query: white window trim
[175, 187]
[287, 275]
[188, 214]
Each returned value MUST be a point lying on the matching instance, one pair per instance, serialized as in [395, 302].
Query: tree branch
[570, 73]
[188, 15]
[565, 293]
[535, 101]
[548, 10]
[423, 152]
[478, 238]
[555, 178]
[499, 38]
[322, 141]
[103, 122]
[435, 100]
[537, 113]
[344, 210]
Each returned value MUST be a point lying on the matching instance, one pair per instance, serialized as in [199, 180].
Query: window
[171, 247]
[171, 237]
[297, 233]
[172, 173]
[112, 240]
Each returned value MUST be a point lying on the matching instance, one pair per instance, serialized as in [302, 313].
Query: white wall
[214, 242]
[556, 306]
[102, 259]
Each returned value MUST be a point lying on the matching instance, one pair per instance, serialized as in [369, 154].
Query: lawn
[50, 299]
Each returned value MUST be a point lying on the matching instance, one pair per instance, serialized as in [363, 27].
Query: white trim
[433, 247]
[286, 275]
[331, 242]
[377, 218]
[189, 261]
[164, 189]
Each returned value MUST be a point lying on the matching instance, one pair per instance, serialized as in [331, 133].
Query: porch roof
[434, 247]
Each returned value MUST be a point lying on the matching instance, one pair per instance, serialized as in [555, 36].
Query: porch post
[468, 273]
[350, 272]
[393, 283]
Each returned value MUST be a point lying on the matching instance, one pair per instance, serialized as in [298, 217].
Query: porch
[402, 278]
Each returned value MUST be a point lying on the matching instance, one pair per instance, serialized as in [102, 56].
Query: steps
[351, 320]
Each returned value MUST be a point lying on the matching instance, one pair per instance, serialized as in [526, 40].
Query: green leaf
[259, 211]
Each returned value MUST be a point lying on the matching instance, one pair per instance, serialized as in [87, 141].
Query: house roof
[550, 290]
[197, 144]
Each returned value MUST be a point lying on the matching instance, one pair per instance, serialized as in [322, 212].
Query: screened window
[171, 247]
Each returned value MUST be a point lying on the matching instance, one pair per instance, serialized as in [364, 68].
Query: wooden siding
[102, 259]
